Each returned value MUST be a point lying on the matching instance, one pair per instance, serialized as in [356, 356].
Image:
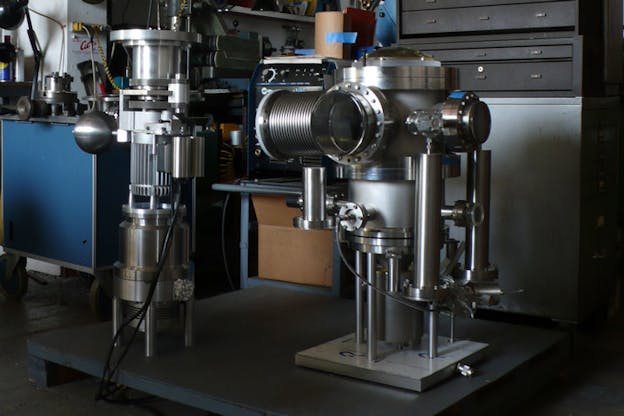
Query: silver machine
[153, 286]
[395, 135]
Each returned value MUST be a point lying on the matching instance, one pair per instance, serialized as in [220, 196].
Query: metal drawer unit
[533, 38]
[544, 67]
[513, 17]
[449, 4]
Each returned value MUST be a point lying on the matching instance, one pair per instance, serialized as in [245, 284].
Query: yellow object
[104, 63]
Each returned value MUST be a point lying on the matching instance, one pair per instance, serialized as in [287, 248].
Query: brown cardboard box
[286, 253]
[325, 22]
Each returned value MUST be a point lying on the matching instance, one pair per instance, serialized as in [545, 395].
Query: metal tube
[150, 331]
[428, 225]
[314, 193]
[393, 273]
[372, 308]
[478, 192]
[359, 298]
[433, 333]
[117, 318]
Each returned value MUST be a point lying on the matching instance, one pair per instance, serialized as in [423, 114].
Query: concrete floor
[593, 384]
[63, 302]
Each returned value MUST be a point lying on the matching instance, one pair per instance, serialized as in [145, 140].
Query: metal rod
[188, 323]
[372, 308]
[117, 318]
[433, 333]
[478, 192]
[359, 298]
[452, 331]
[393, 273]
[428, 225]
[150, 331]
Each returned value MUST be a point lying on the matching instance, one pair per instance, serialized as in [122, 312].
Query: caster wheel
[100, 302]
[13, 277]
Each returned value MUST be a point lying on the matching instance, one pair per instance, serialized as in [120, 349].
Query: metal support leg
[244, 240]
[188, 323]
[452, 332]
[433, 333]
[150, 331]
[117, 318]
[372, 308]
[359, 298]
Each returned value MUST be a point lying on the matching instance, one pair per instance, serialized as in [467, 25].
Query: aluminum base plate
[409, 368]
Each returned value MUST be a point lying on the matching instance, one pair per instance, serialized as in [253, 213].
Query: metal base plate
[409, 369]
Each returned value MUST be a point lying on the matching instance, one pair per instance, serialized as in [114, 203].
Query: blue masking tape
[304, 51]
[340, 37]
[457, 94]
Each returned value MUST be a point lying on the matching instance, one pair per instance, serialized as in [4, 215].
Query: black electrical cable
[107, 387]
[375, 288]
[223, 251]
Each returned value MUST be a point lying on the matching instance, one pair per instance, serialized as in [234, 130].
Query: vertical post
[478, 192]
[393, 272]
[244, 240]
[359, 298]
[117, 318]
[433, 332]
[372, 308]
[452, 331]
[428, 225]
[150, 331]
[188, 323]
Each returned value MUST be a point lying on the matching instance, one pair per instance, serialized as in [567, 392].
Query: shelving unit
[271, 15]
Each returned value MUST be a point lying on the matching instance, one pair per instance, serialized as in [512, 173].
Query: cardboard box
[286, 253]
[331, 22]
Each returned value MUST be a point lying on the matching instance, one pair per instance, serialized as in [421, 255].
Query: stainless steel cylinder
[314, 194]
[157, 55]
[478, 192]
[141, 238]
[428, 226]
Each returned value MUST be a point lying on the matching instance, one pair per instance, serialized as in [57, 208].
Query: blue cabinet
[61, 204]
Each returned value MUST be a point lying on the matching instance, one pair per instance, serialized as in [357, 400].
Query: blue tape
[457, 94]
[340, 37]
[304, 51]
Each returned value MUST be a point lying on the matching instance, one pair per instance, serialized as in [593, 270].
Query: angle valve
[466, 121]
[463, 122]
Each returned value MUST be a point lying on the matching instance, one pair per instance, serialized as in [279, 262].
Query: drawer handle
[481, 54]
[536, 52]
[431, 21]
[536, 76]
[540, 14]
[481, 76]
[430, 1]
[484, 17]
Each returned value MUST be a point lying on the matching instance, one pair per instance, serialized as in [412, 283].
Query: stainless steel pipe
[314, 193]
[359, 298]
[372, 308]
[478, 192]
[428, 226]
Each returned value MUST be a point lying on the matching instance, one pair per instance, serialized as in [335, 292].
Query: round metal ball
[94, 132]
